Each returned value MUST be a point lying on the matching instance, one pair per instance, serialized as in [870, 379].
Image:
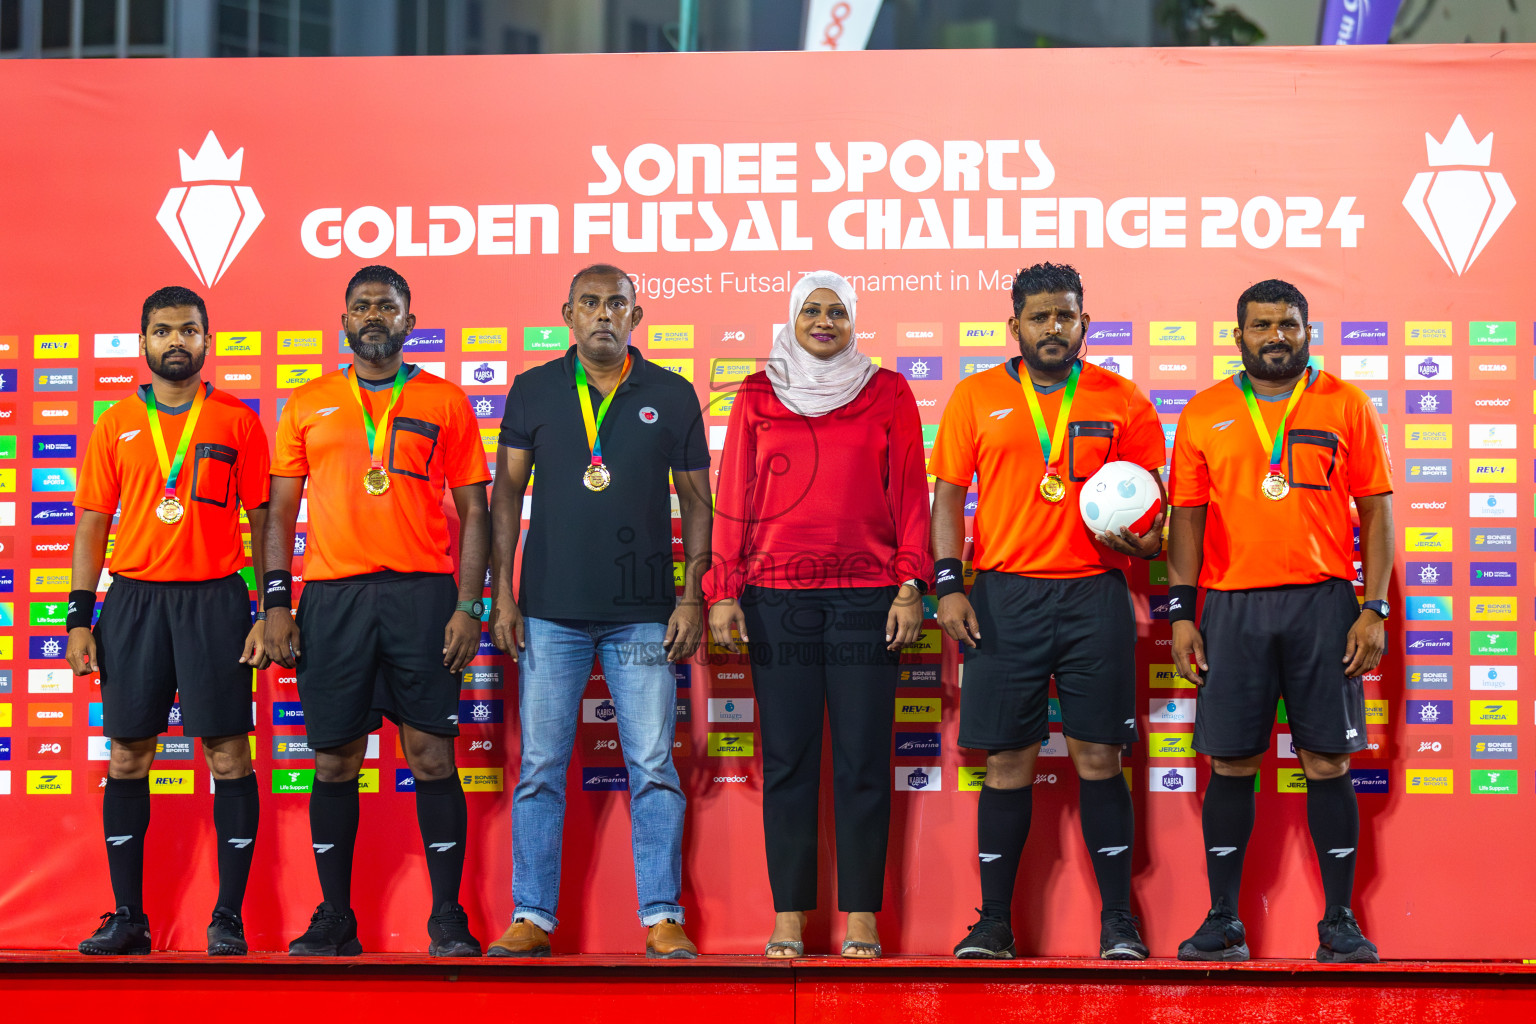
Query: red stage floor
[743, 990]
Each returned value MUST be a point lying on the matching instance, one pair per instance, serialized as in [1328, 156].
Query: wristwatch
[475, 607]
[1379, 607]
[916, 585]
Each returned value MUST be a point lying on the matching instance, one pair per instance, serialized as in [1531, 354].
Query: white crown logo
[1459, 210]
[1457, 150]
[210, 223]
[211, 164]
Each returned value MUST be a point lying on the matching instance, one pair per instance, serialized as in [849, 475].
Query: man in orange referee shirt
[385, 630]
[1265, 465]
[1050, 597]
[178, 616]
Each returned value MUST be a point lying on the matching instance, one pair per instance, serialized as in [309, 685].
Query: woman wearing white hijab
[821, 532]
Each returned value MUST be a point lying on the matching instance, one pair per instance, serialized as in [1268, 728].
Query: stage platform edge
[751, 989]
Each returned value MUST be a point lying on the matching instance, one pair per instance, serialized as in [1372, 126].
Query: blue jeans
[553, 673]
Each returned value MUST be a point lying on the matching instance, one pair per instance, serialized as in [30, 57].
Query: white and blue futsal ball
[1121, 494]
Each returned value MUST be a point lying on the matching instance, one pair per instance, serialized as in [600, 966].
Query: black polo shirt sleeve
[514, 418]
[690, 452]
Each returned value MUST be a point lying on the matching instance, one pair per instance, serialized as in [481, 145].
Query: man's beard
[179, 370]
[377, 351]
[1032, 358]
[1256, 366]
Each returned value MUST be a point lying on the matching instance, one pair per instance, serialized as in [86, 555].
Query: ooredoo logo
[1459, 210]
[209, 220]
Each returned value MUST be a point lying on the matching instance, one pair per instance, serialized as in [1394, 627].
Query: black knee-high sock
[444, 821]
[1002, 826]
[1109, 829]
[1333, 817]
[125, 819]
[236, 810]
[333, 833]
[1227, 819]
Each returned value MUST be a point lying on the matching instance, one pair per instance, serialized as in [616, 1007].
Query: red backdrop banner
[1391, 184]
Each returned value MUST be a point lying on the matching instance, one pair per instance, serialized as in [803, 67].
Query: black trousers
[816, 649]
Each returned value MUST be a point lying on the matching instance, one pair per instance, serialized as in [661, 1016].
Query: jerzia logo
[1459, 210]
[210, 222]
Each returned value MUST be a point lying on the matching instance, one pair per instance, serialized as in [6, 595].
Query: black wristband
[1181, 604]
[277, 589]
[82, 609]
[949, 577]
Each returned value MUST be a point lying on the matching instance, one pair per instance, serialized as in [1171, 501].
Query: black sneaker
[449, 931]
[122, 933]
[1221, 937]
[331, 933]
[989, 939]
[1118, 937]
[226, 934]
[1339, 940]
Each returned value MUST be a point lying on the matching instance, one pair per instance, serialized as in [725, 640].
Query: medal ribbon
[171, 469]
[1050, 442]
[376, 434]
[1277, 445]
[595, 423]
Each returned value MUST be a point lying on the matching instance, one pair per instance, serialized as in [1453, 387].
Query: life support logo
[1459, 210]
[649, 415]
[208, 219]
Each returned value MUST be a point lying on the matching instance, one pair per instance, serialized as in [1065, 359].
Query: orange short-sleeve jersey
[225, 469]
[987, 434]
[433, 444]
[1334, 450]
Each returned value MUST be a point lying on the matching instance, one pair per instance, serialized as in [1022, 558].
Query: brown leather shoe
[666, 940]
[523, 938]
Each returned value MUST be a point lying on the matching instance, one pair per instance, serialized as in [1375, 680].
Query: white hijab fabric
[807, 384]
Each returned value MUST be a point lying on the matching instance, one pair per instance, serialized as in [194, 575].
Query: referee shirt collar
[171, 410]
[1237, 382]
[1013, 371]
[387, 383]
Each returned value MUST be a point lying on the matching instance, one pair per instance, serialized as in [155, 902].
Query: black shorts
[372, 648]
[154, 639]
[1279, 642]
[1082, 631]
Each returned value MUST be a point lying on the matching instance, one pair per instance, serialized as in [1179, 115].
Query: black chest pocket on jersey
[213, 473]
[1310, 456]
[1088, 446]
[412, 444]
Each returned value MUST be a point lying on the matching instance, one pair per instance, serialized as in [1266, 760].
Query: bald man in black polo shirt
[603, 427]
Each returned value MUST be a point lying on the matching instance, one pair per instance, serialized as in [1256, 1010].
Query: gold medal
[1051, 487]
[1275, 487]
[376, 481]
[169, 510]
[597, 477]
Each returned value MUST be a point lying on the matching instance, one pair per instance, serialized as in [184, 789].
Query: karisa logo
[210, 223]
[1459, 210]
